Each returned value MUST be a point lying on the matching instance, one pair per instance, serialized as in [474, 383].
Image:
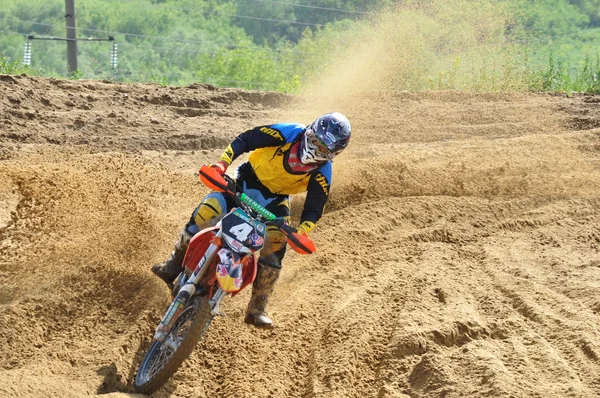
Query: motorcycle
[220, 261]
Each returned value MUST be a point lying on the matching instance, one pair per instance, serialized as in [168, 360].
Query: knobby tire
[201, 319]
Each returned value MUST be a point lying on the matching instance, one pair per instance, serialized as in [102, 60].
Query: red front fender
[249, 271]
[198, 246]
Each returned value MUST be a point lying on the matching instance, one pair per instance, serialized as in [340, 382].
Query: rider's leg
[205, 215]
[269, 268]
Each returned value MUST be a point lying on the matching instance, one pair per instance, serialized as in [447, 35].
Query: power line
[177, 50]
[262, 1]
[114, 33]
[313, 7]
[148, 75]
[230, 45]
[227, 15]
[278, 3]
[163, 5]
[171, 49]
[14, 33]
[193, 51]
[51, 26]
[260, 18]
[219, 80]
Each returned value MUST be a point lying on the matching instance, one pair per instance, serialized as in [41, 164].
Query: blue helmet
[325, 138]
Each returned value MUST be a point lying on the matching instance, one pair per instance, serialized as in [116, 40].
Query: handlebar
[248, 201]
[225, 184]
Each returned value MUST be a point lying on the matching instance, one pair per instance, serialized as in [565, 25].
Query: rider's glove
[220, 166]
[305, 227]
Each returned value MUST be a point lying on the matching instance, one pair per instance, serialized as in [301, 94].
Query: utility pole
[71, 36]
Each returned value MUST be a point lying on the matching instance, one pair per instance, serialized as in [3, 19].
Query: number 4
[241, 231]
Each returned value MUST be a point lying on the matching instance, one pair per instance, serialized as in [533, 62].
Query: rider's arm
[316, 198]
[258, 137]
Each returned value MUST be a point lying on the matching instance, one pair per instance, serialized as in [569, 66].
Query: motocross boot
[262, 288]
[169, 270]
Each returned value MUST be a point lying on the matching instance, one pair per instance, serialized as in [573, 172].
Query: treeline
[560, 17]
[247, 43]
[277, 44]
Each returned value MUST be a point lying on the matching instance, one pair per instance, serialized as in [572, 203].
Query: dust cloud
[419, 45]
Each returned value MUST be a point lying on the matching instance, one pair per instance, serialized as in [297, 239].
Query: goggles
[319, 150]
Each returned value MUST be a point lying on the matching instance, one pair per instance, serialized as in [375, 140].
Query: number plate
[243, 232]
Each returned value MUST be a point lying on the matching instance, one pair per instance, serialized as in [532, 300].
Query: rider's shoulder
[281, 126]
[289, 130]
[326, 170]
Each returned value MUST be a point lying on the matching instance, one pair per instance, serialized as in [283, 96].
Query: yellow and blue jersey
[275, 161]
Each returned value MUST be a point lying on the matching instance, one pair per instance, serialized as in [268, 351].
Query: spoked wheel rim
[159, 353]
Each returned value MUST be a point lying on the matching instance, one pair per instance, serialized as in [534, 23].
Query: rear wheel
[164, 358]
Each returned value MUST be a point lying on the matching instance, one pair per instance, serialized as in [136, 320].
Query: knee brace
[207, 213]
[274, 241]
[272, 260]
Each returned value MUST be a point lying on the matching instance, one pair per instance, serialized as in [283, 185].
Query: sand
[458, 256]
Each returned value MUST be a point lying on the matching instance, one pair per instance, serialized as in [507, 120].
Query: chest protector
[271, 168]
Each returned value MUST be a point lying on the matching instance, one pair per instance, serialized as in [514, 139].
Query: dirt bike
[219, 261]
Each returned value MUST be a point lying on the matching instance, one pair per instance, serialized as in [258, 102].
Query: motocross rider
[285, 159]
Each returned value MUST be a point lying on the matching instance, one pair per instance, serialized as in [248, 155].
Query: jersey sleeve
[258, 137]
[317, 195]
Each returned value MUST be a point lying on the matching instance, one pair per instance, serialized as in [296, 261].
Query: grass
[516, 72]
[559, 75]
[13, 68]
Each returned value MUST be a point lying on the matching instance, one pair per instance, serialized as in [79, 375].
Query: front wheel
[164, 358]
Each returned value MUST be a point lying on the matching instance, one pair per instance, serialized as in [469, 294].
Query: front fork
[215, 302]
[187, 291]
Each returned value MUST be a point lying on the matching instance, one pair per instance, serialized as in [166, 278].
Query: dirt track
[459, 255]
